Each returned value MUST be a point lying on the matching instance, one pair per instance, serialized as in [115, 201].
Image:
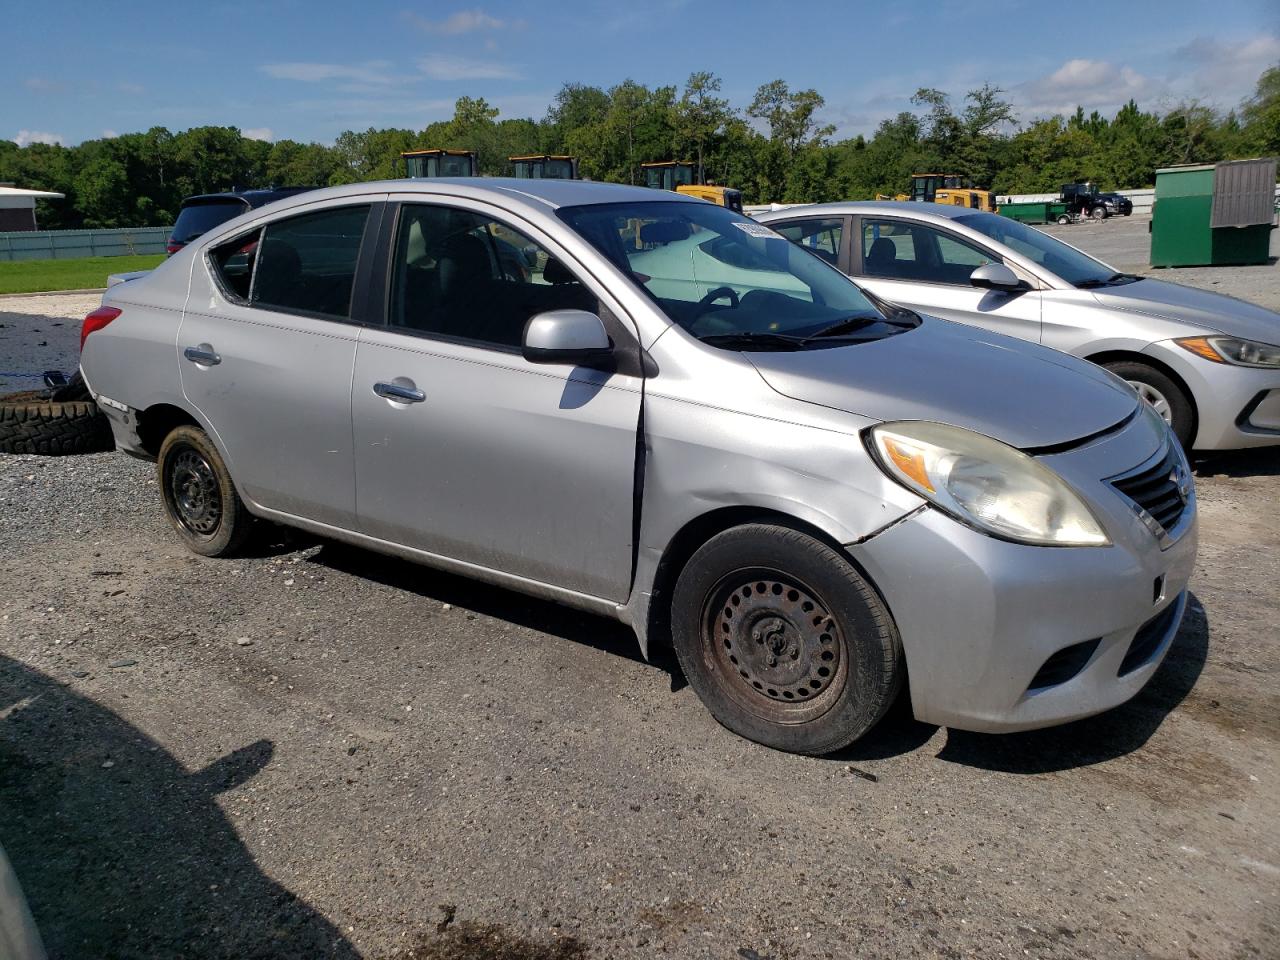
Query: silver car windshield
[1070, 264]
[730, 281]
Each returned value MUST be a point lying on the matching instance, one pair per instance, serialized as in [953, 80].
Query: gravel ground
[315, 751]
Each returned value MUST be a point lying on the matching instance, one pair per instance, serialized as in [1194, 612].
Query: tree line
[776, 148]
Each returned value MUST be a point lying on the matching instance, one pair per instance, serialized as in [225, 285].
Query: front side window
[307, 264]
[894, 250]
[464, 276]
[728, 280]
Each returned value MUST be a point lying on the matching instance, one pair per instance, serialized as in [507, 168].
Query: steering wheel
[714, 295]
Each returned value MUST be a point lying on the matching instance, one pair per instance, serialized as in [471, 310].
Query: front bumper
[1236, 407]
[980, 617]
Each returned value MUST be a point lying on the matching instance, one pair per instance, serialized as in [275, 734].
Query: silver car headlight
[986, 484]
[1233, 350]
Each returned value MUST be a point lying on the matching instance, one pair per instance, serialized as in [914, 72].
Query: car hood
[1021, 393]
[1199, 308]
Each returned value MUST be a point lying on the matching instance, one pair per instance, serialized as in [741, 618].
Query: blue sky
[308, 69]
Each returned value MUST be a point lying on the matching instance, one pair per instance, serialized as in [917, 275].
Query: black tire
[1064, 219]
[1099, 212]
[1182, 414]
[199, 498]
[812, 660]
[30, 422]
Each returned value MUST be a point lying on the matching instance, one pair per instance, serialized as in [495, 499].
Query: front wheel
[1099, 212]
[784, 641]
[1165, 397]
[199, 497]
[1064, 219]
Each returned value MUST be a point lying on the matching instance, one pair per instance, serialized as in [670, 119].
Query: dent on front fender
[701, 459]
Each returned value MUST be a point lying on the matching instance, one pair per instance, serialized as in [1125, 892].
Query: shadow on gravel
[1263, 462]
[1104, 737]
[125, 854]
[600, 633]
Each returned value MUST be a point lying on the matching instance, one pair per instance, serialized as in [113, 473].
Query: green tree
[700, 117]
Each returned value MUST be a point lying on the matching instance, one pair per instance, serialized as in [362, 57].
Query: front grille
[1156, 489]
[1147, 640]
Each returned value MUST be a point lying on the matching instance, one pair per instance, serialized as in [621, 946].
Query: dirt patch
[472, 940]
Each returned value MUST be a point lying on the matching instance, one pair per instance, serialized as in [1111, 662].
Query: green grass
[44, 276]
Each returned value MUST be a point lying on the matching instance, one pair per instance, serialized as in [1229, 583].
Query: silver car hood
[1018, 392]
[1199, 308]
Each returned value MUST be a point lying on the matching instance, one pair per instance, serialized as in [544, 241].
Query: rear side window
[233, 265]
[307, 264]
[821, 237]
[201, 217]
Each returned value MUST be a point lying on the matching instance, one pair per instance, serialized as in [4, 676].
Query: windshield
[203, 216]
[1055, 256]
[727, 279]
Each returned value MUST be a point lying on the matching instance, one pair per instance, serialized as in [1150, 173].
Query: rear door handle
[206, 358]
[398, 393]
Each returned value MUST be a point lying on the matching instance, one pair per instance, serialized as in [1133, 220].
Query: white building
[18, 207]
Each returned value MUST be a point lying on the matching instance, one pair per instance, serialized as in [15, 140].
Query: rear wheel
[784, 641]
[1099, 212]
[199, 497]
[1165, 397]
[1064, 219]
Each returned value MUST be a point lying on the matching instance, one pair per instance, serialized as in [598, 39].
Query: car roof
[254, 198]
[913, 208]
[543, 193]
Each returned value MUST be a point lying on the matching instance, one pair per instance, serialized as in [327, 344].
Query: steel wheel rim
[1158, 401]
[195, 492]
[774, 646]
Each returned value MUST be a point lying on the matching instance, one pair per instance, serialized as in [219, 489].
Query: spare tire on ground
[54, 423]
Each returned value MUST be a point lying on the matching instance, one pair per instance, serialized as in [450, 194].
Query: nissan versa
[816, 495]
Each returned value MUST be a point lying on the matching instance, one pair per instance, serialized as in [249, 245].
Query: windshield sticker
[758, 230]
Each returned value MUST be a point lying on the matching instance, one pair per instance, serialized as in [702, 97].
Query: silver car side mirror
[567, 336]
[995, 276]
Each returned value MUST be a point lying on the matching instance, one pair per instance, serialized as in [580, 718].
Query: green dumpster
[1033, 211]
[1213, 214]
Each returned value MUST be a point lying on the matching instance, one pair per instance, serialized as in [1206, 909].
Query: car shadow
[121, 851]
[1097, 739]
[1259, 462]
[545, 616]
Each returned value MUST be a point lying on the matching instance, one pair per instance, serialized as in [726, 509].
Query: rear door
[465, 449]
[266, 349]
[927, 268]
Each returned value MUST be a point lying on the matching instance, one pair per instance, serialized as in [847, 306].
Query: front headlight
[985, 483]
[1242, 353]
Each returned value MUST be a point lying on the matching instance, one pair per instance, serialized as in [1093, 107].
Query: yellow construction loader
[682, 178]
[949, 188]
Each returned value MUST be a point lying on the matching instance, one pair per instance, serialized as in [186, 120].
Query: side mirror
[567, 336]
[995, 276]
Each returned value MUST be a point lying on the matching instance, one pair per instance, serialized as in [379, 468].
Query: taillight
[171, 248]
[96, 321]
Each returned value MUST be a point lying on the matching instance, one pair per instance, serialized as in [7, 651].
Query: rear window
[203, 216]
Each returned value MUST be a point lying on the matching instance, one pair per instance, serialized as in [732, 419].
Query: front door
[266, 348]
[465, 449]
[927, 269]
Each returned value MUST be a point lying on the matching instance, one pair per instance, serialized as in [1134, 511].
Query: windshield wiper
[1114, 278]
[847, 325]
[748, 340]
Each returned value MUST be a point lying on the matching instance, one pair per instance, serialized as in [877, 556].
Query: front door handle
[398, 393]
[203, 355]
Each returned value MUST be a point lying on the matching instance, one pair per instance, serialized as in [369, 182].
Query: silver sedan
[1208, 363]
[548, 385]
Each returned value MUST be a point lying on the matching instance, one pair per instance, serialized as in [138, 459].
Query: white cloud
[464, 21]
[373, 72]
[1091, 84]
[109, 134]
[27, 137]
[259, 133]
[133, 89]
[440, 66]
[1224, 72]
[43, 85]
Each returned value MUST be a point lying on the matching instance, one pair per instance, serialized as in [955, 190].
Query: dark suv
[203, 212]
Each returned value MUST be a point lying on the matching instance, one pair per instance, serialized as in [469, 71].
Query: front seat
[882, 258]
[466, 279]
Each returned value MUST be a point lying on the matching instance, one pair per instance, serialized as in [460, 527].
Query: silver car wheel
[1158, 401]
